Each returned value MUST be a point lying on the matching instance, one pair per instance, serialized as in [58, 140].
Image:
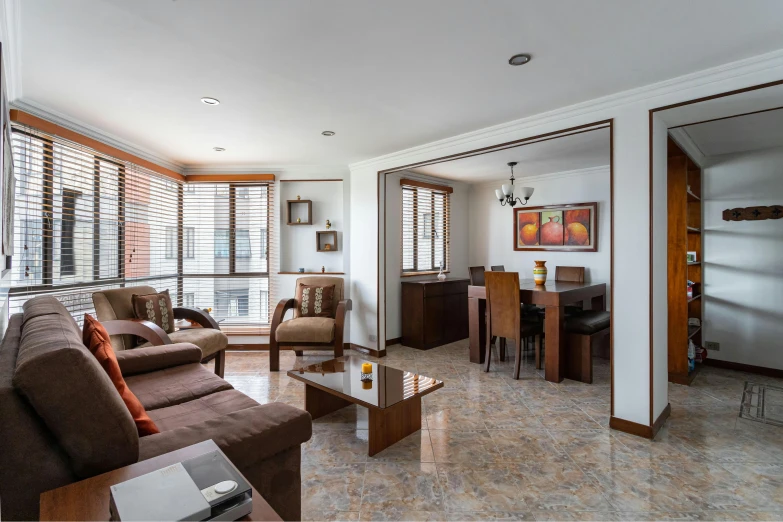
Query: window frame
[420, 234]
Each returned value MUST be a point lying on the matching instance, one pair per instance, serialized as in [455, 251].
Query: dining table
[553, 296]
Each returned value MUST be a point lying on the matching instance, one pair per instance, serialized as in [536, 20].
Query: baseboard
[260, 347]
[396, 340]
[658, 424]
[368, 351]
[749, 368]
[641, 430]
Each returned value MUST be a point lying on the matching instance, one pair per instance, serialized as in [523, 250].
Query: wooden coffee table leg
[393, 424]
[319, 403]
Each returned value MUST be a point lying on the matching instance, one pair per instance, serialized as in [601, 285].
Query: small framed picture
[691, 257]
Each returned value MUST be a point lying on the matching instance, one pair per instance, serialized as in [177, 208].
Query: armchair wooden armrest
[339, 325]
[197, 315]
[274, 350]
[139, 327]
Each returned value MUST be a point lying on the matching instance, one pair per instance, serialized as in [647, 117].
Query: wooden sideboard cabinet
[434, 313]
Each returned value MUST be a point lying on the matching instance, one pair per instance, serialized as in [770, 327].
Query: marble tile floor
[492, 448]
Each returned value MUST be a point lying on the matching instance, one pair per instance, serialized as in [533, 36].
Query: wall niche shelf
[296, 209]
[311, 273]
[326, 241]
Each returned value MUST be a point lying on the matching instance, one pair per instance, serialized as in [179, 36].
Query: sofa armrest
[247, 436]
[199, 316]
[152, 358]
[139, 327]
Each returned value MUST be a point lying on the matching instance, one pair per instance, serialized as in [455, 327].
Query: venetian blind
[425, 227]
[226, 227]
[84, 221]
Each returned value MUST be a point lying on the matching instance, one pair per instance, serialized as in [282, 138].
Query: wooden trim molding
[236, 178]
[749, 368]
[641, 430]
[311, 273]
[59, 131]
[430, 186]
[396, 340]
[368, 351]
[306, 180]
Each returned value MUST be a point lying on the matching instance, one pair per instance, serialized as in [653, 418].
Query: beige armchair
[115, 312]
[312, 333]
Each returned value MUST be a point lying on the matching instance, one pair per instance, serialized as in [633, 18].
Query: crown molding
[10, 35]
[271, 169]
[527, 180]
[723, 72]
[684, 140]
[84, 129]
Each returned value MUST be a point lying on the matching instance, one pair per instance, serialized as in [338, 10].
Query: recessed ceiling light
[519, 59]
[218, 149]
[328, 133]
[210, 101]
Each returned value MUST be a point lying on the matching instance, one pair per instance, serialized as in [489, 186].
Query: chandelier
[505, 194]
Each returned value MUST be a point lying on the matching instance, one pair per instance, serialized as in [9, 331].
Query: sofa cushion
[156, 358]
[247, 436]
[155, 308]
[322, 280]
[202, 409]
[74, 396]
[315, 301]
[174, 385]
[96, 339]
[587, 322]
[306, 330]
[209, 340]
[48, 305]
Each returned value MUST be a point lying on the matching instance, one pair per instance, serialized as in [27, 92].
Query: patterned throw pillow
[315, 301]
[155, 308]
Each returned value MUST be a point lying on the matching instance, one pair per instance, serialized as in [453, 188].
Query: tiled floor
[495, 448]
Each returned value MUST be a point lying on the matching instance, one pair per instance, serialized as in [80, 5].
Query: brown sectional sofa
[62, 420]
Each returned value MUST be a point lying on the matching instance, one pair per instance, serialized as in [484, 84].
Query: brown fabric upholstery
[199, 410]
[587, 322]
[175, 385]
[116, 304]
[157, 358]
[155, 308]
[306, 330]
[209, 340]
[323, 281]
[31, 460]
[73, 395]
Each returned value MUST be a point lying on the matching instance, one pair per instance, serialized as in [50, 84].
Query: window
[425, 227]
[86, 222]
[188, 234]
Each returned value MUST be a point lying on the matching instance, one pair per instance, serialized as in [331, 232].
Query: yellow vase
[539, 272]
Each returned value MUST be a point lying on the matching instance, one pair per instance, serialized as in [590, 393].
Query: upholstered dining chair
[476, 274]
[321, 331]
[498, 268]
[574, 274]
[114, 309]
[504, 317]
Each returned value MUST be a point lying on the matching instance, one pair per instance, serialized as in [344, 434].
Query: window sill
[431, 272]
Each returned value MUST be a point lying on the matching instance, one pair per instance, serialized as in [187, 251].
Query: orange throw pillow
[96, 339]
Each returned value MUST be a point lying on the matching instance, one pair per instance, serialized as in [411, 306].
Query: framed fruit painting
[565, 228]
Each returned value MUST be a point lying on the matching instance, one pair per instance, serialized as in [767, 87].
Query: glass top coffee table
[392, 396]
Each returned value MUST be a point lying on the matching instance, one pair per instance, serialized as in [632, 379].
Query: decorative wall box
[299, 212]
[326, 241]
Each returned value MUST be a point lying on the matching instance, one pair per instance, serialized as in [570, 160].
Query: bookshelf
[684, 235]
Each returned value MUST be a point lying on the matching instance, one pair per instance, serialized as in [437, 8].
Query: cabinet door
[455, 317]
[433, 321]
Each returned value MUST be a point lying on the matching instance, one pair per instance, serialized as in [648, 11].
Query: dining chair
[499, 268]
[573, 274]
[504, 317]
[477, 275]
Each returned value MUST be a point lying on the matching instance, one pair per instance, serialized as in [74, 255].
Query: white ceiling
[741, 134]
[579, 151]
[384, 75]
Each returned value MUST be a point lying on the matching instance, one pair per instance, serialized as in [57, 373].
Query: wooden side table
[89, 499]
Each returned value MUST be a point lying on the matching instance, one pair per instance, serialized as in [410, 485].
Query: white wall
[492, 225]
[743, 278]
[660, 223]
[458, 204]
[629, 110]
